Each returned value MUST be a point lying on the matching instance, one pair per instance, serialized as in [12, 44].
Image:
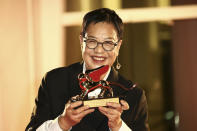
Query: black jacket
[60, 84]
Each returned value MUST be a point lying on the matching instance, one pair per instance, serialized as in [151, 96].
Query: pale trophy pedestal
[100, 101]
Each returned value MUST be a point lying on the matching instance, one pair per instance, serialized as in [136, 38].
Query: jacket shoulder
[130, 86]
[65, 70]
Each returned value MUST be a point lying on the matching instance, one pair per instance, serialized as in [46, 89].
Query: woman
[100, 41]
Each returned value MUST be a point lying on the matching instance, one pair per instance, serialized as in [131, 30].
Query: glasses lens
[108, 45]
[91, 43]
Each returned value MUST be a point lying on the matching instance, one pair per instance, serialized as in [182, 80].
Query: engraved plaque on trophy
[89, 82]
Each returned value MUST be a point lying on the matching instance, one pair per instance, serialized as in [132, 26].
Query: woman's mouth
[98, 59]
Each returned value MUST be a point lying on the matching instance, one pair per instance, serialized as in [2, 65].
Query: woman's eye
[108, 42]
[92, 41]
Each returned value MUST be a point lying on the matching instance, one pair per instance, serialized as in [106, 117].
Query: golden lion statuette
[89, 82]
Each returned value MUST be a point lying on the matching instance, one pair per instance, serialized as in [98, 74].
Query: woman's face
[97, 57]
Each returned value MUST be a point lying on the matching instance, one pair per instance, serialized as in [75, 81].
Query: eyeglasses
[107, 45]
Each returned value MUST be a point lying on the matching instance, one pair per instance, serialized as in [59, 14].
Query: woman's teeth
[98, 58]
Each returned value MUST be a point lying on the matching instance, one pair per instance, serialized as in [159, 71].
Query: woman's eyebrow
[89, 36]
[107, 38]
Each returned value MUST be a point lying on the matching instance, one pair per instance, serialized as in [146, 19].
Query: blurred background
[158, 52]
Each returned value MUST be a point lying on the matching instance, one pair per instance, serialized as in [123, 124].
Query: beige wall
[15, 94]
[30, 45]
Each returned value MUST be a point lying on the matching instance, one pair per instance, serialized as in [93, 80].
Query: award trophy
[89, 82]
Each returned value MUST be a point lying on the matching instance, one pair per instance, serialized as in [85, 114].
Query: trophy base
[100, 101]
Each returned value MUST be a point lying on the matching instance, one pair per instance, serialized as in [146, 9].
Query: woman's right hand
[73, 115]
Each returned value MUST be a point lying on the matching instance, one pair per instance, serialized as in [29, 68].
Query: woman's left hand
[113, 113]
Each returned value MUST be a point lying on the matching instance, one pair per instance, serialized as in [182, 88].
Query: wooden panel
[185, 72]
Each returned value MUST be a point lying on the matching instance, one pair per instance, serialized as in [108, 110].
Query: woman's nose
[99, 48]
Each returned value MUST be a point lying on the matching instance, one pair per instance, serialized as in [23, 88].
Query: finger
[113, 104]
[116, 106]
[80, 109]
[108, 111]
[125, 105]
[75, 104]
[84, 113]
[104, 112]
[66, 107]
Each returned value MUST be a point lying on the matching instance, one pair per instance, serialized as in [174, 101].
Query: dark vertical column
[185, 72]
[185, 69]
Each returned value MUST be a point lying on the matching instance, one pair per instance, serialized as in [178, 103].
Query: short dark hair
[103, 15]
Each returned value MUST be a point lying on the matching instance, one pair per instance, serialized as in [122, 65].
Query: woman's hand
[72, 116]
[113, 113]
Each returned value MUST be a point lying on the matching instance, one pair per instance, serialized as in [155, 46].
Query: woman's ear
[118, 47]
[81, 39]
[81, 42]
[120, 43]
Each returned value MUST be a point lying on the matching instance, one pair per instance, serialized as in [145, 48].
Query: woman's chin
[94, 67]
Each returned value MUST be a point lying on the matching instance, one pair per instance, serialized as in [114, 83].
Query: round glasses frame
[102, 43]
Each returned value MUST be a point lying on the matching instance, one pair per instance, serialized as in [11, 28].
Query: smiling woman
[32, 42]
[103, 28]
